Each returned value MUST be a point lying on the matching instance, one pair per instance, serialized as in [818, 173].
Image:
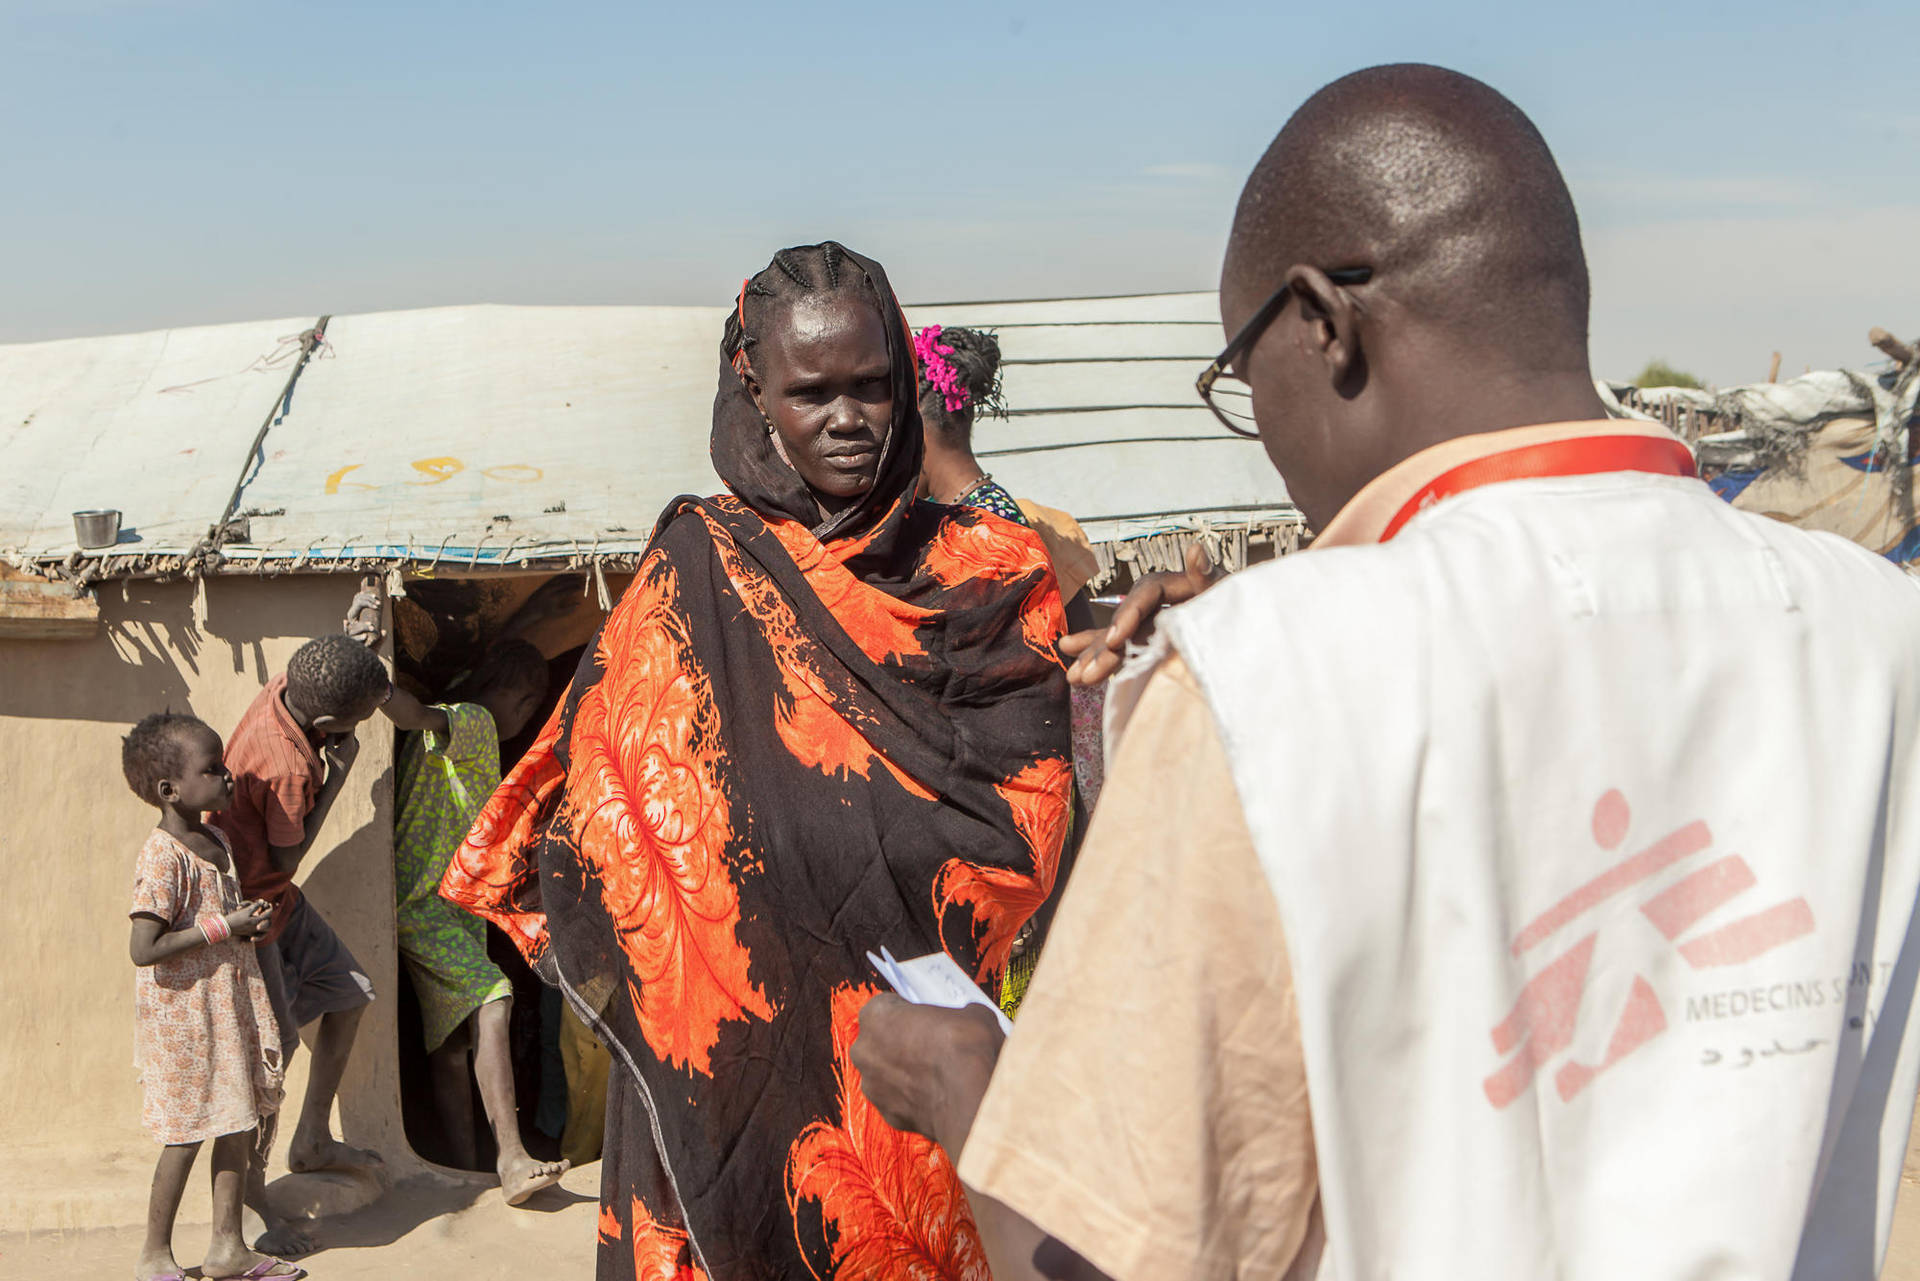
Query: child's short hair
[511, 664]
[336, 674]
[153, 751]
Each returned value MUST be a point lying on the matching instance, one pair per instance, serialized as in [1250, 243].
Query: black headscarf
[744, 454]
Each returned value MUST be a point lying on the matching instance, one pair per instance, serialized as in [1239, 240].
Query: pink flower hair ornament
[938, 370]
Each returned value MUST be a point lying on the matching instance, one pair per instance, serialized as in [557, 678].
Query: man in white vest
[1519, 883]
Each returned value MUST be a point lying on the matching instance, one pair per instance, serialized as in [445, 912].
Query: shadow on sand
[418, 1200]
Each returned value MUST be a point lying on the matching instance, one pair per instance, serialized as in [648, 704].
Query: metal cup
[96, 528]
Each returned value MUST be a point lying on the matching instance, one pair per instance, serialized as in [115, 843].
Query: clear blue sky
[1746, 173]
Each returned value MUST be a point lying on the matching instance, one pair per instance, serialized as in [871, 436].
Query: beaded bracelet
[214, 928]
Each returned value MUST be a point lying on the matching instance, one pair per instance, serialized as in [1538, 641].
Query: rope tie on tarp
[206, 553]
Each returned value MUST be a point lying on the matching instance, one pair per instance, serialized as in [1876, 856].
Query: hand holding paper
[934, 979]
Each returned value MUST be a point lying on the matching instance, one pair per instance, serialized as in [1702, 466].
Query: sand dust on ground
[428, 1227]
[425, 1227]
[1903, 1250]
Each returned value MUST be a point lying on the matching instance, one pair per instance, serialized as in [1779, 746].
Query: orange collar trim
[1433, 475]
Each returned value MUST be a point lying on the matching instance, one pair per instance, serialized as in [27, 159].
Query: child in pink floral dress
[204, 1036]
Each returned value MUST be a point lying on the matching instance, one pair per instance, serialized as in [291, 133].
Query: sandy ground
[430, 1227]
[1903, 1251]
[425, 1227]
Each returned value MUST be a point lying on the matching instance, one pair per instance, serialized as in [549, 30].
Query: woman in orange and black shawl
[825, 718]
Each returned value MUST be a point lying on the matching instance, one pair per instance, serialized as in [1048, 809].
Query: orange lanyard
[1581, 456]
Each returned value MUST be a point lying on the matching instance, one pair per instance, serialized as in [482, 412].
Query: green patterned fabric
[443, 782]
[989, 496]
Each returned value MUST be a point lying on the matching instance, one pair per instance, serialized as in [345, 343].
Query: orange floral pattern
[883, 625]
[650, 817]
[489, 873]
[1003, 898]
[985, 546]
[895, 1205]
[778, 749]
[982, 545]
[661, 1252]
[811, 721]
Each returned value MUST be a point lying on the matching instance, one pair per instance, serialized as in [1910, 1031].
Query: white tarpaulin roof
[494, 436]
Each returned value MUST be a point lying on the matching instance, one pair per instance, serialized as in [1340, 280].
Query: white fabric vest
[1590, 808]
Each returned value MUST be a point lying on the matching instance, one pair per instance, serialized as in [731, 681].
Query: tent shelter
[261, 468]
[1831, 450]
[489, 438]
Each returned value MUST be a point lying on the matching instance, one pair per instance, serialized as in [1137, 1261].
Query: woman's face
[820, 374]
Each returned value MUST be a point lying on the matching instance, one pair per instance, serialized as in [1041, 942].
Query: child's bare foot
[284, 1239]
[304, 1156]
[158, 1267]
[523, 1176]
[247, 1264]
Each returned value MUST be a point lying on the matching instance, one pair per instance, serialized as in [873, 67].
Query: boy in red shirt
[289, 756]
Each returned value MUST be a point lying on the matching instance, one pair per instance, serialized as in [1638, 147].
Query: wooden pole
[1773, 370]
[1900, 353]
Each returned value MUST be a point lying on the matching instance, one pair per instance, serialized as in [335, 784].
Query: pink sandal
[264, 1271]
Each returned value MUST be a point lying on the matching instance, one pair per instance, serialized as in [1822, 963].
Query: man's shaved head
[1473, 316]
[1441, 186]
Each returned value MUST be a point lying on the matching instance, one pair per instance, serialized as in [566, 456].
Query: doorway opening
[443, 628]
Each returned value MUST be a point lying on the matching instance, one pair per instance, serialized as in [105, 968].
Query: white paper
[934, 979]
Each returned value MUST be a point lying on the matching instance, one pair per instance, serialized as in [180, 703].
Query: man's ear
[166, 790]
[1333, 320]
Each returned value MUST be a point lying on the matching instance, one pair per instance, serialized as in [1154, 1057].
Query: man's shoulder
[1819, 573]
[1311, 632]
[1843, 565]
[1318, 590]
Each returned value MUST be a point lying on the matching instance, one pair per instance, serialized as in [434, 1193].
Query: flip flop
[264, 1269]
[168, 1276]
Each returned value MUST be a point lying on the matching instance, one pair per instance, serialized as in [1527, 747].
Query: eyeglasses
[1226, 394]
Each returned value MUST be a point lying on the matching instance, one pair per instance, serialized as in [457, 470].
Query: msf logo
[1541, 1025]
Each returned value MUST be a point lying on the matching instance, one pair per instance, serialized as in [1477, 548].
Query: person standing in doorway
[449, 767]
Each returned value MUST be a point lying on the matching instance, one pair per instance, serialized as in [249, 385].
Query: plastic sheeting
[498, 436]
[154, 424]
[1826, 451]
[1774, 422]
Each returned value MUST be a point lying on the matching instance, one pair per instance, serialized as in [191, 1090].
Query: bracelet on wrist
[214, 928]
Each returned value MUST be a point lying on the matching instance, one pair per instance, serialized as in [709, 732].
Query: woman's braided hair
[804, 269]
[975, 357]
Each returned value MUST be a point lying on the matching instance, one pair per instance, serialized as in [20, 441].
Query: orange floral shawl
[787, 745]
